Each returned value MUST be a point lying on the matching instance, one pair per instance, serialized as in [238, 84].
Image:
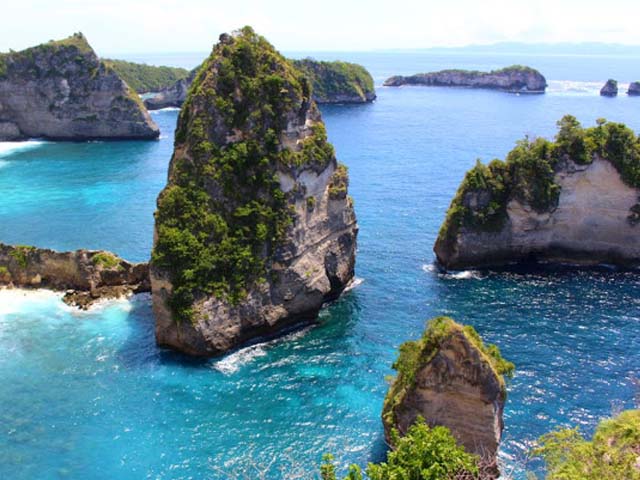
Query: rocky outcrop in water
[338, 82]
[254, 230]
[575, 200]
[145, 78]
[610, 89]
[515, 79]
[85, 275]
[173, 96]
[450, 378]
[61, 90]
[634, 89]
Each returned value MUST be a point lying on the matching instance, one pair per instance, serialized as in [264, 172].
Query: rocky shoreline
[85, 276]
[514, 79]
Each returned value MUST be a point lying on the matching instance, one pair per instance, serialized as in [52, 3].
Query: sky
[135, 26]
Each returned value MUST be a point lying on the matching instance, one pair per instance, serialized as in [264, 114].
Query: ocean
[89, 395]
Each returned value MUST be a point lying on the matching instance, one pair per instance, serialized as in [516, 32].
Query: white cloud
[194, 25]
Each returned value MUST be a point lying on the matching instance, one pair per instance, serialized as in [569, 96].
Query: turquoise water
[88, 395]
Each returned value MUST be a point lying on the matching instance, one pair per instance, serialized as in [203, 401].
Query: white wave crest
[578, 88]
[463, 275]
[354, 283]
[165, 109]
[9, 148]
[232, 362]
[15, 300]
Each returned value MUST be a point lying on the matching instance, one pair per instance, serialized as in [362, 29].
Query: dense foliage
[612, 453]
[146, 78]
[424, 453]
[415, 354]
[105, 260]
[331, 79]
[528, 173]
[223, 213]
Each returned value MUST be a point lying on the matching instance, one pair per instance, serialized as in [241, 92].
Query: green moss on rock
[528, 174]
[223, 214]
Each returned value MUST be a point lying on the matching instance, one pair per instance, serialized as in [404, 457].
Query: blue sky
[131, 26]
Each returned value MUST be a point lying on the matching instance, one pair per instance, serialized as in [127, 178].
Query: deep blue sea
[88, 395]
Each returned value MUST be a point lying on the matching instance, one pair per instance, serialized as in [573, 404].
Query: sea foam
[9, 148]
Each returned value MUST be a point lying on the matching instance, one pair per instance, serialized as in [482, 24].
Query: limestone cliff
[86, 275]
[61, 90]
[575, 200]
[634, 89]
[338, 82]
[254, 231]
[609, 89]
[172, 96]
[515, 79]
[450, 378]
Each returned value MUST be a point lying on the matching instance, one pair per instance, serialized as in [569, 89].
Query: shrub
[106, 260]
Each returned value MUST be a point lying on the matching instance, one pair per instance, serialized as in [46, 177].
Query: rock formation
[575, 200]
[255, 230]
[338, 82]
[61, 90]
[450, 378]
[610, 89]
[515, 79]
[86, 275]
[332, 82]
[145, 78]
[634, 89]
[172, 96]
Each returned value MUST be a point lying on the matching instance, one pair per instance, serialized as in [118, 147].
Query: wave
[9, 148]
[232, 362]
[354, 283]
[461, 275]
[578, 88]
[16, 300]
[165, 109]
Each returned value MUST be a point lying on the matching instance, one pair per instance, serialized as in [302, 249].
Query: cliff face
[172, 96]
[572, 201]
[450, 378]
[610, 89]
[254, 231]
[61, 90]
[87, 275]
[516, 79]
[338, 82]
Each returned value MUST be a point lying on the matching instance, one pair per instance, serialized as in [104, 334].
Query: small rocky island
[332, 82]
[575, 200]
[514, 79]
[338, 82]
[61, 90]
[451, 378]
[609, 89]
[145, 78]
[254, 230]
[634, 89]
[84, 275]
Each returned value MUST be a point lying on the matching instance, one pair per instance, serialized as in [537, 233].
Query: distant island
[514, 79]
[61, 90]
[332, 82]
[145, 78]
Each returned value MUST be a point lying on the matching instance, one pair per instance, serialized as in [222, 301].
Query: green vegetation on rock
[337, 79]
[146, 78]
[105, 260]
[612, 453]
[223, 213]
[416, 354]
[20, 253]
[528, 173]
[424, 453]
